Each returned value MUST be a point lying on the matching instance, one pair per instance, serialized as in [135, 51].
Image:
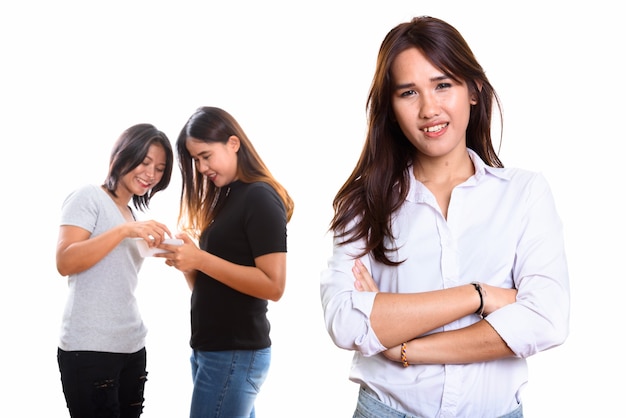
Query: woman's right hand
[77, 250]
[153, 232]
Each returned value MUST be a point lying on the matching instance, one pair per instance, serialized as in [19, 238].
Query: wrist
[403, 358]
[481, 294]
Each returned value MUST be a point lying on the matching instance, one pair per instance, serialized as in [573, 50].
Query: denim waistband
[369, 406]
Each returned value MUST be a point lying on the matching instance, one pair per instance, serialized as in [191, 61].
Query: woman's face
[145, 176]
[216, 161]
[432, 109]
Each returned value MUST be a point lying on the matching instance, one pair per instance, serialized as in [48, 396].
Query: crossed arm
[475, 343]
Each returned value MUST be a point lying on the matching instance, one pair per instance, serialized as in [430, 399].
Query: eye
[408, 93]
[197, 160]
[446, 85]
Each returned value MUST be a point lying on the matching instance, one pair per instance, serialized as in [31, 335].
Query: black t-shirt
[251, 222]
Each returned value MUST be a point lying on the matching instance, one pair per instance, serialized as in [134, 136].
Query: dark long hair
[130, 150]
[200, 198]
[379, 183]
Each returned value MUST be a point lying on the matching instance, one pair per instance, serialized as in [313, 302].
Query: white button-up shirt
[502, 229]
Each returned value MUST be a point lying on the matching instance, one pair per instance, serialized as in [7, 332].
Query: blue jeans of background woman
[368, 406]
[98, 384]
[226, 383]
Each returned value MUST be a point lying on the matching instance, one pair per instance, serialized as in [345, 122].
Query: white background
[73, 75]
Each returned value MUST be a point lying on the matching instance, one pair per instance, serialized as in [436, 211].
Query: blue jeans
[370, 407]
[226, 383]
[99, 384]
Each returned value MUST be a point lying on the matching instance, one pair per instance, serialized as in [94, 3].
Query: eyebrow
[433, 79]
[200, 154]
[147, 157]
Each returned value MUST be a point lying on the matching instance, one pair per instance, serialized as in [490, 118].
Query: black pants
[98, 384]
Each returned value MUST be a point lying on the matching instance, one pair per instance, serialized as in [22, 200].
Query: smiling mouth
[435, 128]
[145, 183]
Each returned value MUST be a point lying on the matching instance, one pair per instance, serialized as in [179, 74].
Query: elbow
[348, 325]
[65, 265]
[349, 335]
[561, 333]
[558, 330]
[276, 289]
[340, 339]
[67, 269]
[549, 340]
[274, 297]
[63, 269]
[276, 293]
[366, 344]
[552, 335]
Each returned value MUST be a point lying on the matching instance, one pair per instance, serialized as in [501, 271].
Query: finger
[184, 237]
[159, 235]
[166, 230]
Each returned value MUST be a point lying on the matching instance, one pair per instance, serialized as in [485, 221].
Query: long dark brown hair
[379, 183]
[200, 198]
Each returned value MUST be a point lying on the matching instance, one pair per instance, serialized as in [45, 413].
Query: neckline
[123, 209]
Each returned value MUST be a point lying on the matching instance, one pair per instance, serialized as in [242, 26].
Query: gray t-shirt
[101, 313]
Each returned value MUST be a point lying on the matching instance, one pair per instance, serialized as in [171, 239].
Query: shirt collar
[481, 169]
[419, 193]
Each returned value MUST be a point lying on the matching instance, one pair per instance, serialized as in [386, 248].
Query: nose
[429, 106]
[203, 166]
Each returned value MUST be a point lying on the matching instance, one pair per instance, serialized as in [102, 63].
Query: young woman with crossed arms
[448, 270]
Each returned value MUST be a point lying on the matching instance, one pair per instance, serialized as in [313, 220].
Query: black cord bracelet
[481, 308]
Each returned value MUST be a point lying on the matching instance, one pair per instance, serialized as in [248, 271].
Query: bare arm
[397, 318]
[476, 343]
[190, 277]
[77, 251]
[265, 280]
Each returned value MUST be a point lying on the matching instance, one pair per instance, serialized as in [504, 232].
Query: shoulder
[83, 207]
[514, 174]
[260, 190]
[85, 193]
[527, 185]
[261, 198]
[258, 185]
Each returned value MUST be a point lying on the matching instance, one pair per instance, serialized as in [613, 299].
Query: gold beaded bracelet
[405, 363]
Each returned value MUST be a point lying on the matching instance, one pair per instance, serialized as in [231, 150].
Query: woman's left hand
[183, 257]
[393, 354]
[363, 280]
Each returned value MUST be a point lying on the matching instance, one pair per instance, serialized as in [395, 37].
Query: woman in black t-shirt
[232, 205]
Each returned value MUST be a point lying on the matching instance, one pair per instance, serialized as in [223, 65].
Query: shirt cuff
[367, 343]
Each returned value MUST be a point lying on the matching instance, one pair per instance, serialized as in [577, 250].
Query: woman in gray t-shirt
[101, 353]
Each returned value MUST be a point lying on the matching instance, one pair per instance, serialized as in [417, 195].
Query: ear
[474, 95]
[233, 143]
